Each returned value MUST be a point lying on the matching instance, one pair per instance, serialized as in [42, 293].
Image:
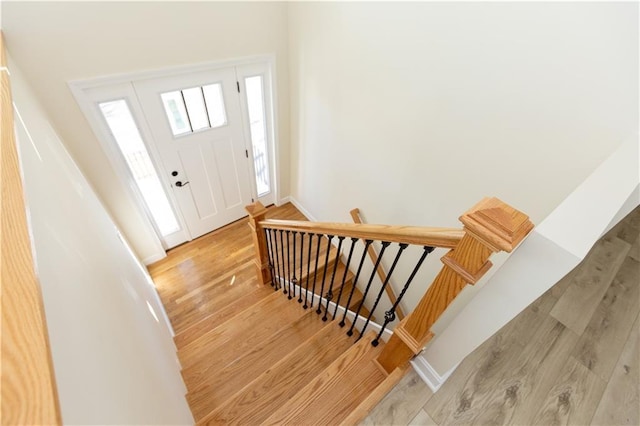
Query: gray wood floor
[571, 358]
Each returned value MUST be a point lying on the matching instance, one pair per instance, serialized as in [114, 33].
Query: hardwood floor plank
[544, 303]
[580, 300]
[220, 315]
[336, 391]
[465, 393]
[620, 403]
[531, 377]
[283, 379]
[422, 419]
[574, 397]
[402, 404]
[248, 330]
[634, 252]
[629, 227]
[218, 385]
[609, 328]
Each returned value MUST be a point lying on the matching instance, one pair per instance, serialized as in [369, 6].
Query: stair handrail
[488, 227]
[418, 235]
[29, 393]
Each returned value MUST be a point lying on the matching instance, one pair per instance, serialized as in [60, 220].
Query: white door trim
[98, 125]
[79, 89]
[264, 70]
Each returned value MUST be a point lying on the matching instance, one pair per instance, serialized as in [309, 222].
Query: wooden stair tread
[221, 345]
[220, 315]
[224, 383]
[280, 382]
[334, 393]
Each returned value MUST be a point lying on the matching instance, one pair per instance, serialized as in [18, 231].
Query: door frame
[80, 89]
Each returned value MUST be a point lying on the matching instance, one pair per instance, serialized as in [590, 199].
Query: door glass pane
[215, 104]
[257, 122]
[127, 136]
[176, 112]
[196, 109]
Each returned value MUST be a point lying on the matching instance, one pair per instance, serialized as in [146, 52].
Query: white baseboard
[428, 374]
[302, 209]
[154, 258]
[282, 201]
[351, 316]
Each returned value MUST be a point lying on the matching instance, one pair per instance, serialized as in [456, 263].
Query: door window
[258, 132]
[194, 109]
[127, 136]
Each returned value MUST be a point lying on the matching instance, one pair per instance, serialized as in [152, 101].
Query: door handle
[180, 184]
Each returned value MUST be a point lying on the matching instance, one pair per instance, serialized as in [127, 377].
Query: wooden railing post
[490, 226]
[257, 213]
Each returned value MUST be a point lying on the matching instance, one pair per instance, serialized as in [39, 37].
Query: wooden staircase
[260, 348]
[274, 362]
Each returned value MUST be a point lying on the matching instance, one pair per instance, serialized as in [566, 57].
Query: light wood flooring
[572, 357]
[250, 355]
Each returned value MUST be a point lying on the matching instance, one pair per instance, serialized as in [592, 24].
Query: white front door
[196, 123]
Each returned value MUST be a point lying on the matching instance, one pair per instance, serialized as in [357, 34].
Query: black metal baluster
[367, 243]
[284, 271]
[324, 274]
[385, 244]
[344, 276]
[315, 271]
[289, 265]
[384, 285]
[329, 295]
[306, 289]
[301, 261]
[294, 280]
[274, 236]
[270, 255]
[390, 315]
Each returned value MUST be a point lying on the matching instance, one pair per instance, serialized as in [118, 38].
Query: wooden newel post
[257, 214]
[490, 226]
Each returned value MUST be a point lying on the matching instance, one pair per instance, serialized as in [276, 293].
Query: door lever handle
[180, 184]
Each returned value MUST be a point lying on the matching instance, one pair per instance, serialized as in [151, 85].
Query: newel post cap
[497, 224]
[256, 209]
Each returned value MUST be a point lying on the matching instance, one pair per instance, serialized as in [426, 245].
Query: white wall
[114, 360]
[415, 111]
[553, 249]
[56, 42]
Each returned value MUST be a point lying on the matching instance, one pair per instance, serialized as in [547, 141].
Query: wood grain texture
[435, 237]
[257, 213]
[220, 385]
[238, 338]
[620, 403]
[280, 382]
[578, 303]
[574, 397]
[471, 385]
[28, 387]
[491, 225]
[497, 224]
[382, 274]
[248, 328]
[634, 252]
[610, 325]
[400, 407]
[422, 419]
[336, 391]
[534, 372]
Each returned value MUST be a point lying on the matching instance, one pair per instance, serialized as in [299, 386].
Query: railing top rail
[425, 236]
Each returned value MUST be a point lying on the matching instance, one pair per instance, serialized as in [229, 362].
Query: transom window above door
[194, 109]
